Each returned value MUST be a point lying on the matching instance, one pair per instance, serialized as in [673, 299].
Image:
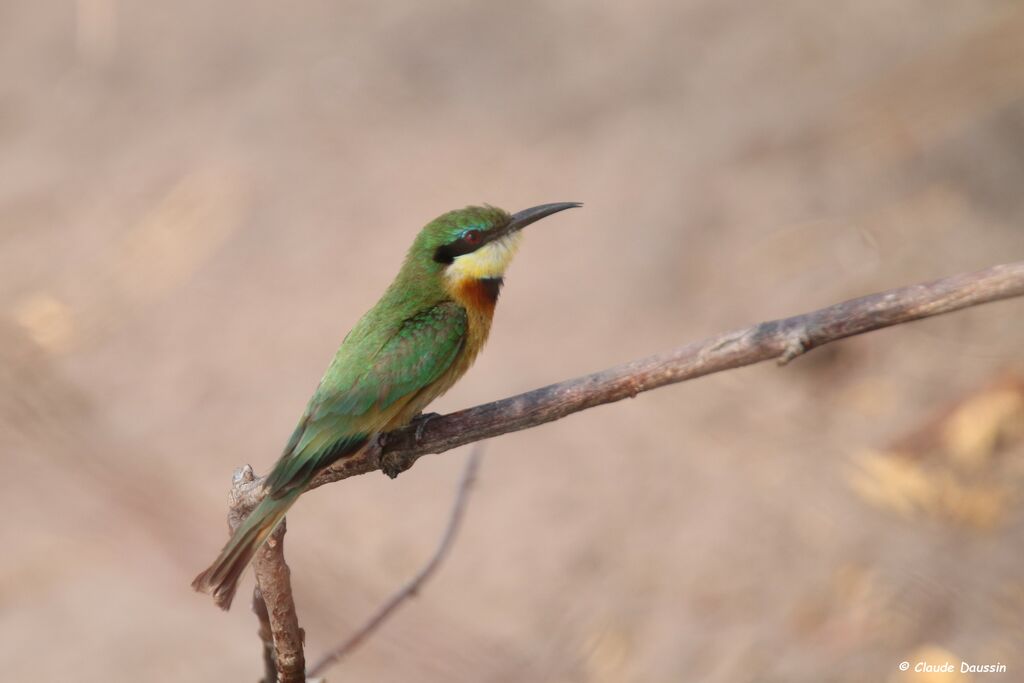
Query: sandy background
[198, 199]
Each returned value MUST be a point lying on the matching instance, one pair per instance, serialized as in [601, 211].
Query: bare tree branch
[274, 579]
[782, 339]
[412, 588]
[283, 657]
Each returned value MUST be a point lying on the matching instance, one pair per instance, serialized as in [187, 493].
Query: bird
[417, 341]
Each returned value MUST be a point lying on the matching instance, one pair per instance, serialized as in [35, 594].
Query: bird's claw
[421, 421]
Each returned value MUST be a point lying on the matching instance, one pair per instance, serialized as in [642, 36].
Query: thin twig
[411, 588]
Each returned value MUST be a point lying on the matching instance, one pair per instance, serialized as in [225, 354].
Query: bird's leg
[393, 464]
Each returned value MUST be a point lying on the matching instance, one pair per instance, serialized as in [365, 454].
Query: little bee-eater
[410, 348]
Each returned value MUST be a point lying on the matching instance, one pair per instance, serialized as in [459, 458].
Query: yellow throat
[487, 262]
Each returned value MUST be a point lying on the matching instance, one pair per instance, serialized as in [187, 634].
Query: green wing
[367, 384]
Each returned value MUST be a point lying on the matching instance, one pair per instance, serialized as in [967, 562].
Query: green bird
[411, 347]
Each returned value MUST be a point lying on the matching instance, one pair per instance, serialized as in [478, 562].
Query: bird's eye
[472, 237]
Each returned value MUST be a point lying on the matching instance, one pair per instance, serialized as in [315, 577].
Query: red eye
[472, 237]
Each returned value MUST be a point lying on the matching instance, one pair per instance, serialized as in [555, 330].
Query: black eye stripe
[443, 254]
[447, 253]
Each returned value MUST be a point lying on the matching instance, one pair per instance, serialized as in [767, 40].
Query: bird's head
[476, 243]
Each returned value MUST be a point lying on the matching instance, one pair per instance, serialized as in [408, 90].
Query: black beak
[525, 217]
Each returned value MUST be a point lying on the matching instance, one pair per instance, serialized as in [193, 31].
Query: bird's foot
[421, 421]
[393, 464]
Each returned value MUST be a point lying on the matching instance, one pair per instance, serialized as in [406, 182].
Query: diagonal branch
[782, 339]
[411, 588]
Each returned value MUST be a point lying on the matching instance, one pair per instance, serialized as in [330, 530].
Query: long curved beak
[523, 218]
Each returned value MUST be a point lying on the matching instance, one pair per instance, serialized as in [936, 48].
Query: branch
[273, 604]
[273, 578]
[413, 586]
[782, 339]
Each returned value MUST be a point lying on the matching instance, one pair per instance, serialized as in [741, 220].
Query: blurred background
[197, 200]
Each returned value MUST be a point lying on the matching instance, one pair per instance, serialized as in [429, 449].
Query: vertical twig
[274, 580]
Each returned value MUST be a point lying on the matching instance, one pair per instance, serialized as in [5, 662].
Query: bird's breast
[479, 296]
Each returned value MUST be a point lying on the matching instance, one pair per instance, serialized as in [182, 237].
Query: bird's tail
[221, 578]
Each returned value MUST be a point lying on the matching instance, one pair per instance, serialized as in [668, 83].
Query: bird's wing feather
[361, 392]
[418, 353]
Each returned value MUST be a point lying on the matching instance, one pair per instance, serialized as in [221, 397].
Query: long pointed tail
[221, 578]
